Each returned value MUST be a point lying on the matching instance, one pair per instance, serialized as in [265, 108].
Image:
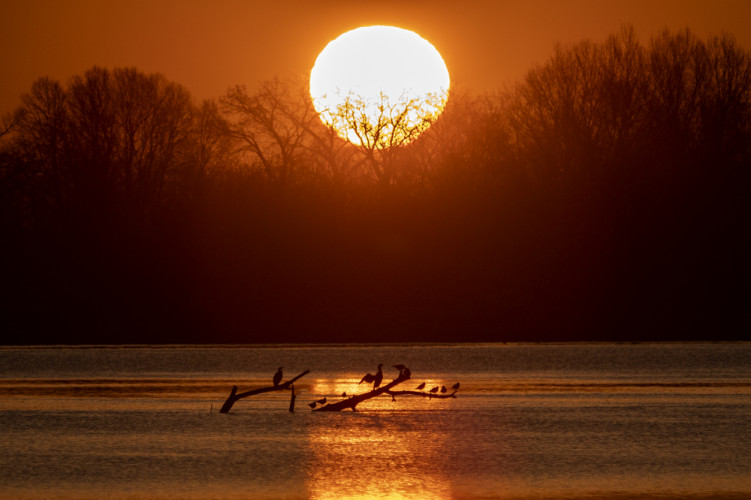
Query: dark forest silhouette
[605, 197]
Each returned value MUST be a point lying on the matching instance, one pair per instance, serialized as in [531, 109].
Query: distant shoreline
[337, 345]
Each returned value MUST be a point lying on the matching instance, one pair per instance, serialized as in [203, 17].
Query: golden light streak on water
[364, 458]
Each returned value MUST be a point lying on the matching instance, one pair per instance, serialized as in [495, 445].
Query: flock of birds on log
[321, 401]
[442, 389]
[376, 380]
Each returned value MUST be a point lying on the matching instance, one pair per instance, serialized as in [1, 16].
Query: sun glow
[379, 86]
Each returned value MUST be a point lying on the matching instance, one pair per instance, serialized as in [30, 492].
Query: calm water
[530, 421]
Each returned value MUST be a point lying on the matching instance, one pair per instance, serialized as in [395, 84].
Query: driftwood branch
[404, 375]
[234, 396]
[292, 398]
[424, 394]
[352, 401]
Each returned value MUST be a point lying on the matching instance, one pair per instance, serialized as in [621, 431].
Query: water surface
[530, 421]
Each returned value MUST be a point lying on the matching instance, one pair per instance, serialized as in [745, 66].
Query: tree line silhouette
[605, 196]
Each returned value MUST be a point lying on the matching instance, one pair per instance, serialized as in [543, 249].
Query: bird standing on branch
[378, 377]
[404, 372]
[421, 386]
[455, 386]
[443, 388]
[278, 376]
[434, 390]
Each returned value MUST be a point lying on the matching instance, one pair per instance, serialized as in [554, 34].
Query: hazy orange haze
[208, 46]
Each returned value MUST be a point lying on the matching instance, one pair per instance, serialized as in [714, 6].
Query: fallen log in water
[234, 396]
[428, 395]
[351, 402]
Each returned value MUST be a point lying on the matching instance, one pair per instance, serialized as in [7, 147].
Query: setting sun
[379, 86]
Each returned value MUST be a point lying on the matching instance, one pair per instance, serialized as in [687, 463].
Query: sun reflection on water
[375, 455]
[335, 387]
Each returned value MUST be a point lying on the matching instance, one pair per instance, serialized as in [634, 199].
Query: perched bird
[378, 377]
[455, 386]
[321, 401]
[421, 386]
[443, 388]
[367, 378]
[278, 376]
[403, 371]
[434, 390]
[344, 394]
[313, 404]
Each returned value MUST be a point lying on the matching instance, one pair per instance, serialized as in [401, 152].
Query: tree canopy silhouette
[605, 196]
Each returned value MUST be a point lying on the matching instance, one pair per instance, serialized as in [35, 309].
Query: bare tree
[270, 125]
[623, 91]
[554, 113]
[726, 108]
[466, 148]
[678, 79]
[378, 128]
[10, 121]
[43, 139]
[329, 156]
[155, 123]
[111, 135]
[209, 151]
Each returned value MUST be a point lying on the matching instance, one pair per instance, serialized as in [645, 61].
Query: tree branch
[420, 393]
[353, 401]
[234, 396]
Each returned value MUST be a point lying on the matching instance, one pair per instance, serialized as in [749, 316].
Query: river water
[529, 421]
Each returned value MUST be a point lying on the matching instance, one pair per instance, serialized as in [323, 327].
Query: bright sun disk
[389, 72]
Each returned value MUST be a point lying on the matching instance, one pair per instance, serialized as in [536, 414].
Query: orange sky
[210, 45]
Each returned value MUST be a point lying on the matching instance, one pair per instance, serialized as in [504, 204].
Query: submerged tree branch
[234, 396]
[420, 393]
[352, 401]
[404, 375]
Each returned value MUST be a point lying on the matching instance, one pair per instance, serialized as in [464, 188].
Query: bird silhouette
[455, 386]
[434, 390]
[378, 377]
[313, 404]
[278, 376]
[443, 388]
[344, 394]
[421, 386]
[404, 372]
[321, 401]
[367, 378]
